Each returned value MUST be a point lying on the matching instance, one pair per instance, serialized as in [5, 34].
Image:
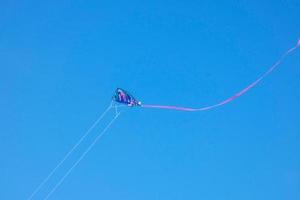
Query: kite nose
[298, 43]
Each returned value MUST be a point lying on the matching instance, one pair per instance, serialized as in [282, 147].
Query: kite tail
[270, 70]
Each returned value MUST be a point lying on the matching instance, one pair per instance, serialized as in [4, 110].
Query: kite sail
[125, 98]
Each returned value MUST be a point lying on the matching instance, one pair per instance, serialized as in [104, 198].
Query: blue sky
[62, 60]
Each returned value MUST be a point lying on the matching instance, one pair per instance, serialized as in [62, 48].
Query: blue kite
[123, 97]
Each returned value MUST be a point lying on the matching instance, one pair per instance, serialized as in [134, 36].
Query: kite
[123, 97]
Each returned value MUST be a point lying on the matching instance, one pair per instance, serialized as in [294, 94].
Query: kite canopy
[122, 96]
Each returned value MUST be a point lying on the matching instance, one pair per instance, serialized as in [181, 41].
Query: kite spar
[238, 94]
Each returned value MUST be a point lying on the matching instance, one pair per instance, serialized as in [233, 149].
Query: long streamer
[238, 94]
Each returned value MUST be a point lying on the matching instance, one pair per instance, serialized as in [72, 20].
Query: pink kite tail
[235, 95]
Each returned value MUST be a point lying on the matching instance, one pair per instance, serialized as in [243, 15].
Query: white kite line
[81, 157]
[69, 153]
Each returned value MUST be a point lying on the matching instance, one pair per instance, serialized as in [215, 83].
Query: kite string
[69, 153]
[82, 156]
[235, 95]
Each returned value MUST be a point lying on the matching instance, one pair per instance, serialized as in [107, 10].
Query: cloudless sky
[60, 62]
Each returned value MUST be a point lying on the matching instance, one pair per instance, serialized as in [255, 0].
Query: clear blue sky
[60, 62]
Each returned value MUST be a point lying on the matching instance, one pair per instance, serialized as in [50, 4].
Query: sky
[60, 62]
